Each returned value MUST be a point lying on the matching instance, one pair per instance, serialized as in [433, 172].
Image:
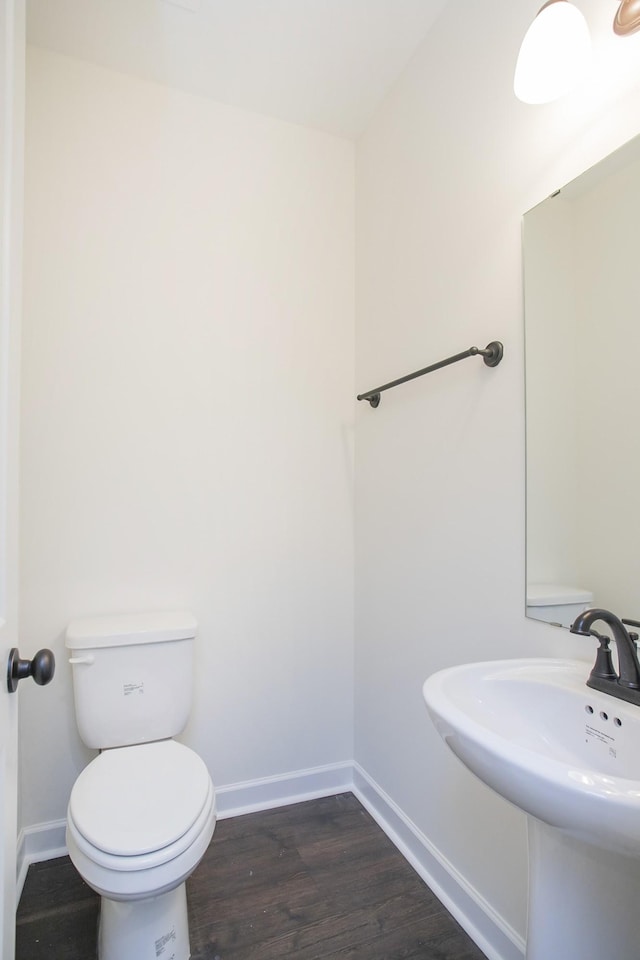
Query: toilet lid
[135, 800]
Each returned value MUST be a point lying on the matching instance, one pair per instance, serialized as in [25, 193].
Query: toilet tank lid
[554, 594]
[128, 629]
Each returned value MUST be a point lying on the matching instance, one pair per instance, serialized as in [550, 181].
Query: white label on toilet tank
[163, 941]
[130, 688]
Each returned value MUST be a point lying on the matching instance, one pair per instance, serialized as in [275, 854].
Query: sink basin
[535, 733]
[568, 756]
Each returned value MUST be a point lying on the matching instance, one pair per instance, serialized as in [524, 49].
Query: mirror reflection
[582, 349]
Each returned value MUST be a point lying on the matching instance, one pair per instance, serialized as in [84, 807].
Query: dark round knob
[41, 668]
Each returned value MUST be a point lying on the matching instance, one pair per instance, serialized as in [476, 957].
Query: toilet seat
[126, 813]
[190, 808]
[145, 861]
[137, 878]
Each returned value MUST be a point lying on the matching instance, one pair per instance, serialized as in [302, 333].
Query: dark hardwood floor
[314, 881]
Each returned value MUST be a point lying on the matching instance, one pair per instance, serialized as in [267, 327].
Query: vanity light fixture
[556, 50]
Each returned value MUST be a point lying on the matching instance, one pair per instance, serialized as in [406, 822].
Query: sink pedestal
[584, 902]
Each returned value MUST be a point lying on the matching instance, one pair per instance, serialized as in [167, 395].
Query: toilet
[556, 603]
[141, 815]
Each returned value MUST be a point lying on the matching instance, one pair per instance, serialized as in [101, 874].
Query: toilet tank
[556, 603]
[132, 676]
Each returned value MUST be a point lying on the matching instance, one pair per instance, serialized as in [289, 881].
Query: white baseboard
[495, 937]
[488, 929]
[254, 795]
[44, 841]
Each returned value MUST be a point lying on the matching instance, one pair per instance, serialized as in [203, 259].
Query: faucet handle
[634, 637]
[603, 667]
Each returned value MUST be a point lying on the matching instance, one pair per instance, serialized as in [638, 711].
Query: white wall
[187, 412]
[444, 172]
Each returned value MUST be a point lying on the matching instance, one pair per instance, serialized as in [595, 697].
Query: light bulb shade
[554, 55]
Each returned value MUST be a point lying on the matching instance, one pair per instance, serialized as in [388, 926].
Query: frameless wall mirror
[582, 349]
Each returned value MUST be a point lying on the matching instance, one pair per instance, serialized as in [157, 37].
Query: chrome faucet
[626, 684]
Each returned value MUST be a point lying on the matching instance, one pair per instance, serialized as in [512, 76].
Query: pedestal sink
[568, 756]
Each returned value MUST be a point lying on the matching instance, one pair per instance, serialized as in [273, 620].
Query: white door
[12, 44]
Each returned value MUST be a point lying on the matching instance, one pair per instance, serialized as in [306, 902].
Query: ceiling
[321, 63]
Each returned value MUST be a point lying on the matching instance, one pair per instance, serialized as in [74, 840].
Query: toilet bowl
[141, 815]
[140, 819]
